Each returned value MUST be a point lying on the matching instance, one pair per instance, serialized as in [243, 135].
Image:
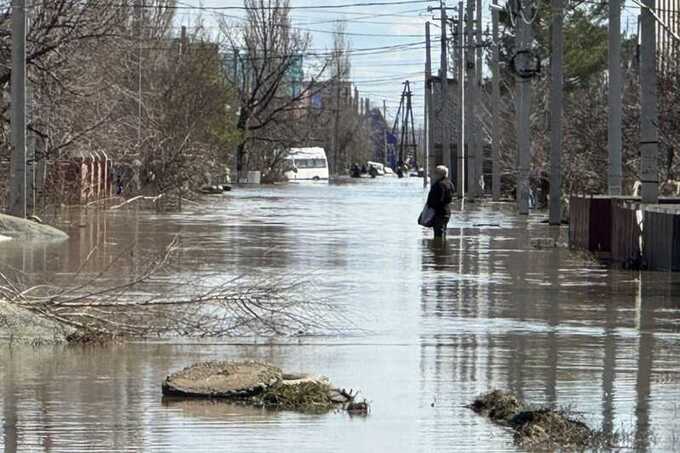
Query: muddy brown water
[442, 324]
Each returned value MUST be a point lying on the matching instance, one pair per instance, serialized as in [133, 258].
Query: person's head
[440, 172]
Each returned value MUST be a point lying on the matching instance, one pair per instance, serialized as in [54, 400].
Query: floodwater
[437, 325]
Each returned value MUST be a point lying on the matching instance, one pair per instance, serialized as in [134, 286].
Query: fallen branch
[155, 303]
[137, 198]
[104, 200]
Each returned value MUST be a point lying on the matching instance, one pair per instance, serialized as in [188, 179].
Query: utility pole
[408, 117]
[524, 42]
[649, 135]
[31, 189]
[444, 78]
[355, 104]
[461, 84]
[496, 96]
[476, 112]
[428, 103]
[555, 216]
[235, 67]
[17, 195]
[469, 51]
[407, 143]
[139, 74]
[336, 122]
[384, 112]
[615, 100]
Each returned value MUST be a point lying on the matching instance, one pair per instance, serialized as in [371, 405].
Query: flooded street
[433, 325]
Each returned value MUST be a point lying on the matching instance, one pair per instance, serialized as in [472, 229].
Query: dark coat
[441, 196]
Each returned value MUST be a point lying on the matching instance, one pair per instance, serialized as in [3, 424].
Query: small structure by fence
[626, 233]
[82, 178]
[661, 237]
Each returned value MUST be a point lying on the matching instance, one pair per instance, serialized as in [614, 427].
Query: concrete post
[428, 103]
[17, 187]
[649, 135]
[477, 111]
[444, 79]
[355, 102]
[471, 156]
[461, 85]
[615, 100]
[524, 36]
[496, 96]
[555, 216]
[31, 192]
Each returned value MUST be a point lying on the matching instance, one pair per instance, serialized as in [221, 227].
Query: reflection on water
[446, 321]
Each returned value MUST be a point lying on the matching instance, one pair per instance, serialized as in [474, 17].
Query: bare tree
[269, 54]
[114, 78]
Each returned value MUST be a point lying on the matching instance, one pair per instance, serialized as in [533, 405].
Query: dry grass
[303, 397]
[497, 405]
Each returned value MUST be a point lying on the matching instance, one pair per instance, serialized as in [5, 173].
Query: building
[323, 95]
[383, 141]
[237, 67]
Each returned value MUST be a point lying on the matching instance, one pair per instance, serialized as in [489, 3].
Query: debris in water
[552, 428]
[358, 408]
[535, 428]
[499, 406]
[222, 380]
[261, 385]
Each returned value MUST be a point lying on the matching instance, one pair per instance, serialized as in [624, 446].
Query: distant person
[439, 199]
[400, 169]
[355, 171]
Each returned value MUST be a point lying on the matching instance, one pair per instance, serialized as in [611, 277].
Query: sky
[380, 74]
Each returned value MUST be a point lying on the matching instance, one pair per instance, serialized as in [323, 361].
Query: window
[310, 163]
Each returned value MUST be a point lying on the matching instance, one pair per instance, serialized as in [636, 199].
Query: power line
[269, 8]
[366, 51]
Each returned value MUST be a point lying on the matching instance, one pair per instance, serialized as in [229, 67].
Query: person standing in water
[439, 199]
